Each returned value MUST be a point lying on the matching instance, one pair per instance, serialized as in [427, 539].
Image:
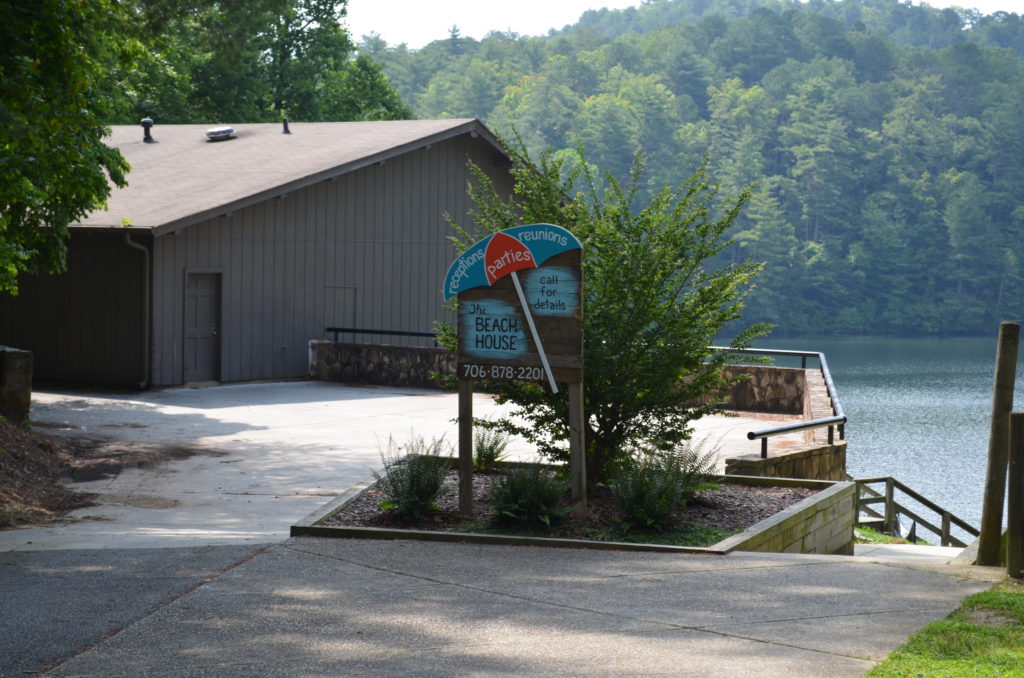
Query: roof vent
[147, 124]
[220, 133]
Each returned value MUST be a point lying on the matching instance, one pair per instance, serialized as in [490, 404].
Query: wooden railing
[868, 497]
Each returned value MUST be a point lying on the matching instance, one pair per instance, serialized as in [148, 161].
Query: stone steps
[821, 403]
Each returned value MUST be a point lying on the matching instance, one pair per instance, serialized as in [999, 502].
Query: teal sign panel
[493, 329]
[552, 291]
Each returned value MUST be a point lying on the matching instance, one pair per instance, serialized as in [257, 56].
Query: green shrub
[529, 495]
[411, 481]
[653, 484]
[489, 446]
[695, 466]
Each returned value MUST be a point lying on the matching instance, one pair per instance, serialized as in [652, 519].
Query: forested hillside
[885, 141]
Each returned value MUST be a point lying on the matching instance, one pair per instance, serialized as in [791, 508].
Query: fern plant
[653, 484]
[489, 447]
[412, 477]
[530, 496]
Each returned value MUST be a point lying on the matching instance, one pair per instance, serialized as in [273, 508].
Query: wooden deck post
[998, 445]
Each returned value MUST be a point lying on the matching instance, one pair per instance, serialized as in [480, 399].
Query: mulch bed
[731, 508]
[31, 468]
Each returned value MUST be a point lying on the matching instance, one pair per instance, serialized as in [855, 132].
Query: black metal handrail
[838, 420]
[395, 333]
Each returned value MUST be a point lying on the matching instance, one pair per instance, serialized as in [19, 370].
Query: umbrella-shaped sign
[503, 254]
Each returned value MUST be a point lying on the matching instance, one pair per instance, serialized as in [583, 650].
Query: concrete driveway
[185, 568]
[239, 464]
[232, 464]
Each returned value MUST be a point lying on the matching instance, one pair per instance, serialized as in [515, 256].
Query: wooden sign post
[520, 294]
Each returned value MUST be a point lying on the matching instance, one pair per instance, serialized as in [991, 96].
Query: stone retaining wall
[379, 365]
[768, 389]
[15, 384]
[819, 461]
[779, 390]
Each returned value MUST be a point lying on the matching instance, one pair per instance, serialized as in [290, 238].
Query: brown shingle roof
[183, 178]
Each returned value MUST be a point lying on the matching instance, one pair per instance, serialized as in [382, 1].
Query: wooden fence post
[998, 445]
[1015, 491]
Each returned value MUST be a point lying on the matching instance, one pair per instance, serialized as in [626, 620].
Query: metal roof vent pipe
[147, 124]
[285, 130]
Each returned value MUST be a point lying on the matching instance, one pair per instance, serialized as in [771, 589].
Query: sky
[417, 22]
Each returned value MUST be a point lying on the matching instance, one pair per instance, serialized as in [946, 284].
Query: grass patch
[866, 535]
[984, 637]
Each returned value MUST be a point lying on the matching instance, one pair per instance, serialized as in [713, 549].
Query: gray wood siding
[369, 248]
[86, 324]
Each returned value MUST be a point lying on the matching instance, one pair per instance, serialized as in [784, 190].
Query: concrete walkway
[312, 607]
[185, 569]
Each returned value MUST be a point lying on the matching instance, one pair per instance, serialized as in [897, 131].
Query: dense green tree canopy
[249, 61]
[53, 162]
[885, 140]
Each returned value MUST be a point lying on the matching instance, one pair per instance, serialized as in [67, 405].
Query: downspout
[145, 308]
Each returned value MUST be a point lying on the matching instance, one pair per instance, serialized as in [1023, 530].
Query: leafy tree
[651, 309]
[771, 239]
[896, 269]
[736, 134]
[873, 56]
[576, 74]
[686, 74]
[542, 110]
[755, 44]
[53, 162]
[301, 45]
[657, 114]
[250, 61]
[608, 129]
[976, 246]
[456, 43]
[361, 91]
[819, 138]
[479, 90]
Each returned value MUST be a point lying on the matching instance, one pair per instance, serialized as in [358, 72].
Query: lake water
[919, 410]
